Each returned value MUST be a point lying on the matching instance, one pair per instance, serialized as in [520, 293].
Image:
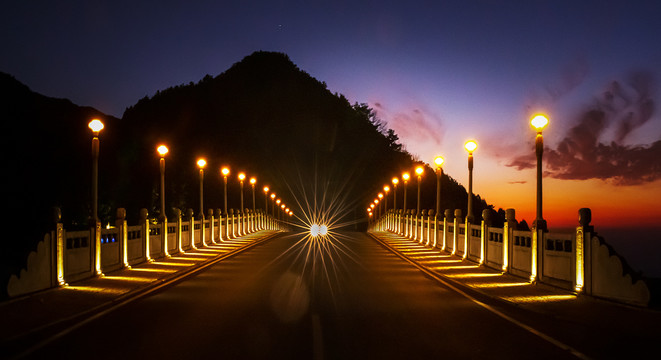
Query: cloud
[418, 124]
[580, 155]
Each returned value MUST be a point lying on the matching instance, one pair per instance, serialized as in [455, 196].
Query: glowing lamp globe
[201, 163]
[438, 161]
[470, 146]
[162, 150]
[539, 122]
[95, 125]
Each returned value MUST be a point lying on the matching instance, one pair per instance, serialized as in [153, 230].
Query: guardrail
[581, 261]
[67, 256]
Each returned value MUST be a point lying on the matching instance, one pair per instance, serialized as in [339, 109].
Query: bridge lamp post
[253, 181]
[395, 181]
[419, 170]
[277, 202]
[162, 151]
[273, 204]
[405, 178]
[386, 190]
[201, 163]
[539, 122]
[266, 204]
[242, 177]
[242, 215]
[96, 126]
[470, 146]
[225, 171]
[439, 173]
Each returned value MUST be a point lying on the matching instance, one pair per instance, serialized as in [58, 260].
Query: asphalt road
[347, 298]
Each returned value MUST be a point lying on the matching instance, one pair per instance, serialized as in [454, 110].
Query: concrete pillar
[455, 234]
[430, 215]
[144, 222]
[219, 227]
[191, 225]
[446, 219]
[212, 230]
[583, 251]
[484, 243]
[508, 227]
[57, 241]
[177, 229]
[122, 232]
[233, 223]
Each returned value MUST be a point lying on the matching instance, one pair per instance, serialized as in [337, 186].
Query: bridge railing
[579, 261]
[66, 256]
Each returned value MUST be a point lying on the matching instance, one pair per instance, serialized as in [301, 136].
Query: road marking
[528, 328]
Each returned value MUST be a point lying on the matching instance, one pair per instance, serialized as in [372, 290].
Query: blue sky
[438, 73]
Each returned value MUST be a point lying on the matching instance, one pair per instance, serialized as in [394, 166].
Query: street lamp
[273, 205]
[253, 181]
[539, 122]
[439, 173]
[405, 177]
[242, 177]
[419, 170]
[225, 171]
[470, 146]
[162, 151]
[201, 163]
[96, 126]
[395, 181]
[386, 190]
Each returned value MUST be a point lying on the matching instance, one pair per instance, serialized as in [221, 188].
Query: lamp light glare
[201, 163]
[470, 146]
[438, 161]
[162, 150]
[539, 122]
[95, 125]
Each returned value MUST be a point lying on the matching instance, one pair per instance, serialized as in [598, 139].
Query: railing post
[435, 230]
[508, 228]
[484, 243]
[446, 218]
[177, 215]
[233, 224]
[191, 226]
[455, 234]
[122, 233]
[430, 213]
[57, 244]
[583, 251]
[219, 229]
[212, 232]
[144, 222]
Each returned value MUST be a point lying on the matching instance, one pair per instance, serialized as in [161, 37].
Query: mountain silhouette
[263, 116]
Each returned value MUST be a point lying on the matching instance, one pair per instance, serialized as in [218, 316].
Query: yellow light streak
[540, 298]
[498, 285]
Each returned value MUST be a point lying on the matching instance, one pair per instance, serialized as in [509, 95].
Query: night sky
[438, 72]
